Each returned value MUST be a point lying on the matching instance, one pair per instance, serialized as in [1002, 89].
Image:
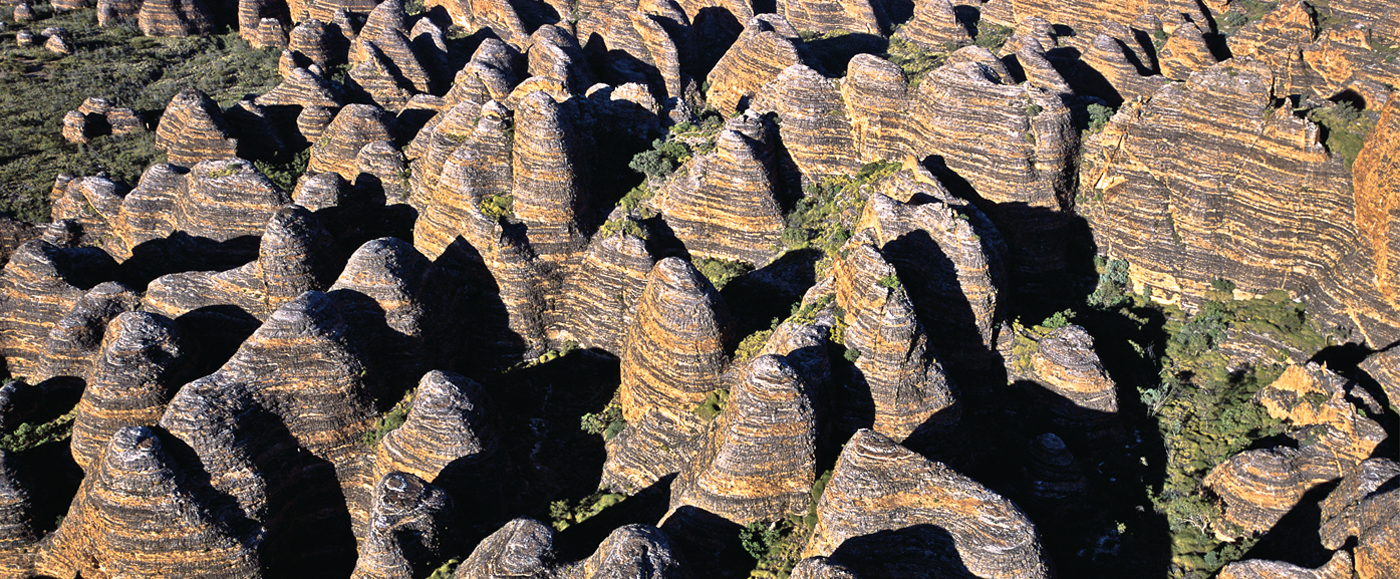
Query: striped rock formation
[725, 204]
[409, 530]
[758, 462]
[139, 369]
[73, 345]
[192, 129]
[814, 127]
[1109, 70]
[92, 202]
[354, 127]
[876, 94]
[449, 439]
[1378, 16]
[251, 14]
[1247, 228]
[896, 387]
[1185, 52]
[463, 158]
[601, 294]
[521, 548]
[858, 16]
[1365, 505]
[888, 512]
[1339, 567]
[1258, 487]
[654, 38]
[1052, 471]
[313, 40]
[110, 12]
[1275, 39]
[38, 287]
[674, 353]
[17, 536]
[491, 74]
[821, 568]
[549, 174]
[1376, 194]
[385, 293]
[555, 55]
[636, 551]
[295, 255]
[175, 18]
[934, 26]
[949, 258]
[143, 514]
[1077, 390]
[767, 46]
[1344, 58]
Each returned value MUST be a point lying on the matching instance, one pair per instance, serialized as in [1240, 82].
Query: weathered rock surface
[1240, 216]
[522, 548]
[354, 127]
[675, 353]
[175, 18]
[1339, 567]
[766, 47]
[141, 513]
[1077, 389]
[724, 204]
[636, 551]
[821, 568]
[814, 127]
[192, 129]
[1375, 523]
[38, 287]
[888, 512]
[409, 529]
[759, 460]
[137, 373]
[17, 534]
[602, 292]
[859, 16]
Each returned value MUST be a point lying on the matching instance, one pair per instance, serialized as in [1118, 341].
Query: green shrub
[992, 36]
[1058, 320]
[392, 419]
[713, 405]
[751, 345]
[721, 271]
[1346, 129]
[563, 516]
[890, 281]
[914, 60]
[1112, 290]
[445, 570]
[29, 435]
[606, 422]
[758, 537]
[500, 206]
[851, 354]
[284, 175]
[1099, 115]
[662, 160]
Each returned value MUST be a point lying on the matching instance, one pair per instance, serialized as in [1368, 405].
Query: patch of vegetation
[1241, 13]
[562, 515]
[721, 271]
[824, 216]
[1058, 320]
[285, 174]
[751, 344]
[392, 419]
[445, 570]
[992, 36]
[1099, 115]
[1345, 127]
[662, 159]
[851, 355]
[625, 225]
[713, 405]
[607, 422]
[890, 281]
[914, 60]
[498, 207]
[116, 63]
[31, 435]
[777, 545]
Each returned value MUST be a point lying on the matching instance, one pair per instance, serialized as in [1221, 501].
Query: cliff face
[1243, 216]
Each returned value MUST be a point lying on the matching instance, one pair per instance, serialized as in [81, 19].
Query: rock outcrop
[759, 460]
[767, 46]
[1339, 567]
[175, 18]
[884, 499]
[522, 548]
[675, 353]
[192, 129]
[409, 529]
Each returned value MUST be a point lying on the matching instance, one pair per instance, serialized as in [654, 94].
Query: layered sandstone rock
[17, 534]
[949, 257]
[139, 369]
[897, 387]
[636, 551]
[875, 92]
[602, 292]
[1376, 193]
[38, 287]
[1078, 391]
[675, 353]
[354, 127]
[759, 460]
[1052, 471]
[934, 26]
[384, 292]
[766, 47]
[1240, 216]
[861, 16]
[821, 568]
[884, 500]
[175, 18]
[549, 177]
[74, 343]
[1339, 567]
[449, 439]
[1374, 521]
[1275, 39]
[141, 513]
[522, 548]
[1185, 52]
[93, 202]
[814, 129]
[192, 129]
[725, 204]
[409, 529]
[1259, 487]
